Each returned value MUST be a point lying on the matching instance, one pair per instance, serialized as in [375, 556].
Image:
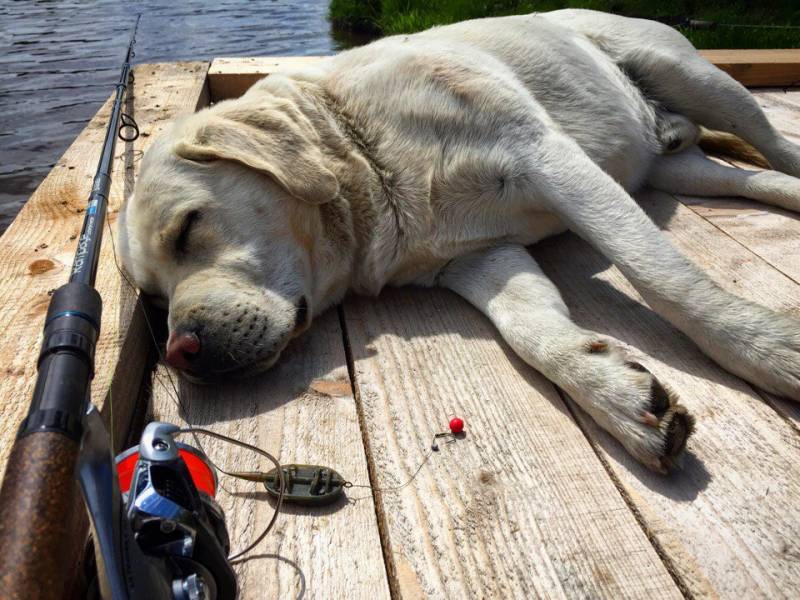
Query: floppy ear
[283, 146]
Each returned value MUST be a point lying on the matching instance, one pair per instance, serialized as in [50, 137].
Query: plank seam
[729, 236]
[138, 417]
[768, 401]
[662, 554]
[380, 516]
[750, 250]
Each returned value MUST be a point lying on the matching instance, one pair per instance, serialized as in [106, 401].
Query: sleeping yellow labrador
[435, 159]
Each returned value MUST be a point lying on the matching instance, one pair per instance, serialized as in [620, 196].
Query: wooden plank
[774, 99]
[302, 411]
[781, 107]
[771, 233]
[520, 507]
[755, 68]
[732, 515]
[232, 77]
[36, 253]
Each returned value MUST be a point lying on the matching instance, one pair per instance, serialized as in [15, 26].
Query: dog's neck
[382, 214]
[355, 222]
[389, 203]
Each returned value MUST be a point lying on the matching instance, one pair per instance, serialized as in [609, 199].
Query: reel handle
[38, 539]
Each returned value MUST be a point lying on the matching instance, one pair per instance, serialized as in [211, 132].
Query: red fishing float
[456, 425]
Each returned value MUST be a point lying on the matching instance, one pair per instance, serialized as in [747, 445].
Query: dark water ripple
[59, 60]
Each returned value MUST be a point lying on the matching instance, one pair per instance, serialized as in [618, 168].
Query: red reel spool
[203, 474]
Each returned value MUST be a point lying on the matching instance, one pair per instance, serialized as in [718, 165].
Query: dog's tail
[720, 143]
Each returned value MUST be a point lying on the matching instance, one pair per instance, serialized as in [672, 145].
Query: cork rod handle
[37, 510]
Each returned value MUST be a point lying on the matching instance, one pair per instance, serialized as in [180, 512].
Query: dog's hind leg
[622, 396]
[749, 340]
[692, 173]
[669, 70]
[690, 85]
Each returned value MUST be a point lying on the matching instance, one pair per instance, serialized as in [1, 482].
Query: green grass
[387, 17]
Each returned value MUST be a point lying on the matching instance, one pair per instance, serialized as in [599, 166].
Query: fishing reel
[162, 535]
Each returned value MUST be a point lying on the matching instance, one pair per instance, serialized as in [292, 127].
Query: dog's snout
[221, 338]
[183, 347]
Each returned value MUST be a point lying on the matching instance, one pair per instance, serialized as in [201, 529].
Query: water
[59, 60]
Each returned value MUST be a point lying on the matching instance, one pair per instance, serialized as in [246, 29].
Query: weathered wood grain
[769, 232]
[731, 515]
[302, 411]
[784, 95]
[781, 106]
[756, 68]
[232, 77]
[36, 253]
[520, 507]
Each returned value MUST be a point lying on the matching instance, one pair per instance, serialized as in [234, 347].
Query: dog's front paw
[626, 400]
[762, 347]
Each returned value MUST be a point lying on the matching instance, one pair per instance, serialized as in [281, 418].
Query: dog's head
[224, 228]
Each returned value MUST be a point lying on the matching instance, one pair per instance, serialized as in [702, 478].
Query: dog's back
[560, 70]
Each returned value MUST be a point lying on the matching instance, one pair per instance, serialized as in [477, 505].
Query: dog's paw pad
[627, 400]
[669, 427]
[667, 423]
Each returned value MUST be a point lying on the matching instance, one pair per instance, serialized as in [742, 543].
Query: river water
[59, 60]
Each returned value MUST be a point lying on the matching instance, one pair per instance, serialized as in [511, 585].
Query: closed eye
[182, 241]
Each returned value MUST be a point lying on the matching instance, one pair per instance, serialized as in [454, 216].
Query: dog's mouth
[235, 373]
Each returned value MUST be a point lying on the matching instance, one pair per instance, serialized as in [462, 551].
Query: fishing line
[745, 26]
[279, 469]
[456, 426]
[140, 304]
[195, 430]
[394, 488]
[700, 24]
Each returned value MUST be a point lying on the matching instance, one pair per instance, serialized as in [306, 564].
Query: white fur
[435, 158]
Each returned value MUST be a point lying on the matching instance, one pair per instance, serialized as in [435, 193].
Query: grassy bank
[387, 17]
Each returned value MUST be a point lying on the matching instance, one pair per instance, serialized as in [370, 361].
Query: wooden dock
[535, 500]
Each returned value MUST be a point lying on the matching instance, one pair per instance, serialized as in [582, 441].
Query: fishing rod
[157, 532]
[42, 462]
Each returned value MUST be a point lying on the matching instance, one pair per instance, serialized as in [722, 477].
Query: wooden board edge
[223, 86]
[231, 77]
[756, 68]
